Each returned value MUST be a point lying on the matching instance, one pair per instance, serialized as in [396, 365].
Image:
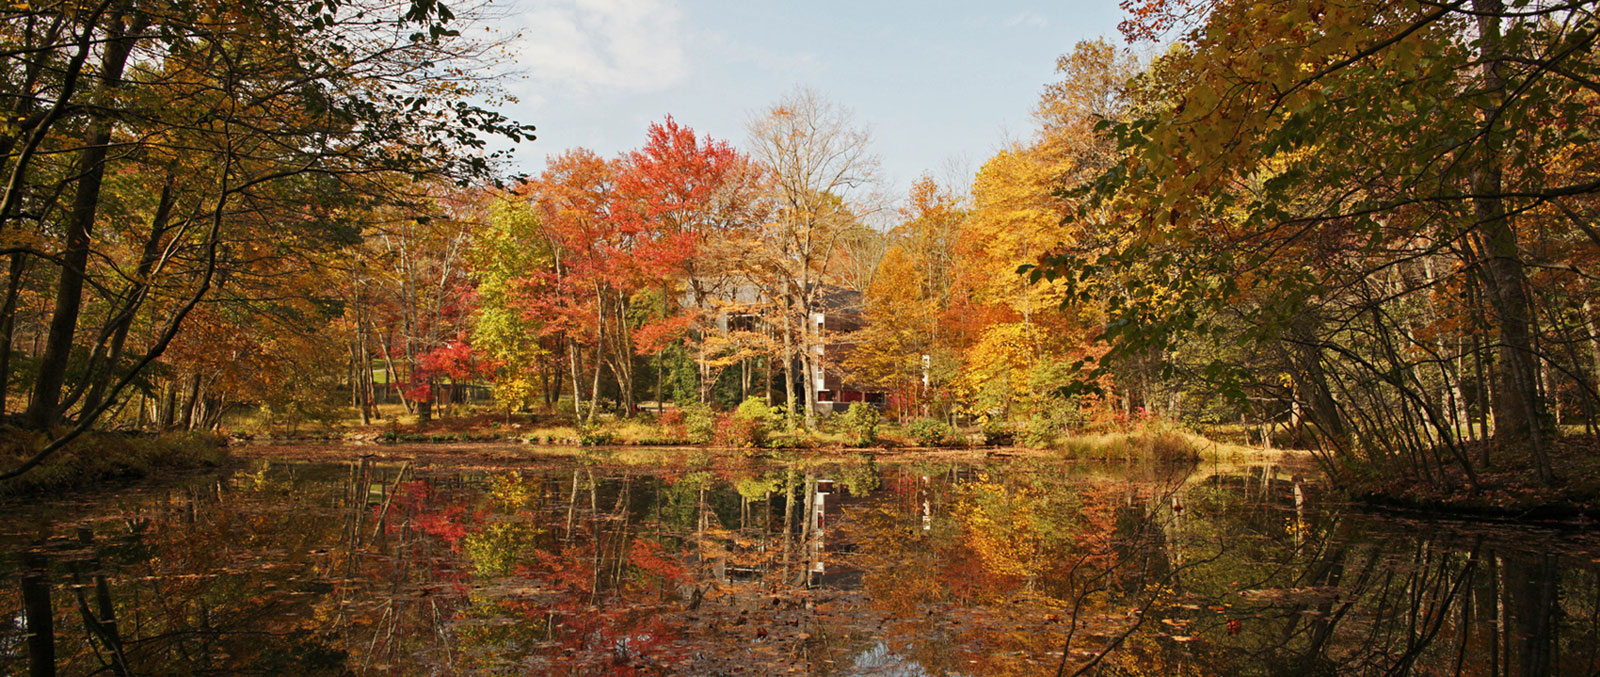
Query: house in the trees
[837, 315]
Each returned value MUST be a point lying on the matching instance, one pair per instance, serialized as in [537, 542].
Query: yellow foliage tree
[900, 323]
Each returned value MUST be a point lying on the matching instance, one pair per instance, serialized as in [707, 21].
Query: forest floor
[97, 458]
[1508, 486]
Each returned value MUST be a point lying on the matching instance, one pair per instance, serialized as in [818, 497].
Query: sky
[940, 85]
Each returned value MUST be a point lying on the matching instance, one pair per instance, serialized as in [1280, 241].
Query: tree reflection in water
[904, 568]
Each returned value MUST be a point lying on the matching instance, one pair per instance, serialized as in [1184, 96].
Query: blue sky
[942, 85]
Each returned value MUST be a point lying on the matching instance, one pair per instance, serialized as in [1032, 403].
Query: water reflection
[857, 567]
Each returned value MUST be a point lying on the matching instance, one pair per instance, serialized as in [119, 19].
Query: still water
[852, 566]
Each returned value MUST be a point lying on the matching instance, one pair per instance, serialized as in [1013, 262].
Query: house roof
[838, 300]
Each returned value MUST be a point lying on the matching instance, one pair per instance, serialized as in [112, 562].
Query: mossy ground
[1508, 486]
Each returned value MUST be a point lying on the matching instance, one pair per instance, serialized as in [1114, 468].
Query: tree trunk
[808, 373]
[703, 369]
[1594, 342]
[391, 375]
[189, 403]
[766, 378]
[624, 357]
[1312, 383]
[788, 364]
[364, 368]
[599, 353]
[1519, 413]
[577, 383]
[1480, 375]
[169, 406]
[43, 411]
[8, 324]
[594, 390]
[808, 362]
[361, 387]
[425, 408]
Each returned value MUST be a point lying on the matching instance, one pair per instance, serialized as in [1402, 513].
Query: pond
[853, 566]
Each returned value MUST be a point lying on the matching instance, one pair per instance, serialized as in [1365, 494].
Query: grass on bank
[756, 428]
[1147, 443]
[99, 457]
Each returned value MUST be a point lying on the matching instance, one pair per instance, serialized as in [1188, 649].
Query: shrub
[929, 432]
[673, 424]
[595, 436]
[734, 430]
[757, 409]
[801, 438]
[700, 423]
[780, 416]
[1041, 431]
[997, 433]
[1054, 418]
[860, 422]
[752, 423]
[633, 431]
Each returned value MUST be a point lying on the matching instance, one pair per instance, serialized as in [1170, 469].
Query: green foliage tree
[860, 421]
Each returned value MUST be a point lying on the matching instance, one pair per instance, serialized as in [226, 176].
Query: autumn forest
[1300, 256]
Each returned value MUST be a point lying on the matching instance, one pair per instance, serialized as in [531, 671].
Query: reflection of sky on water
[880, 661]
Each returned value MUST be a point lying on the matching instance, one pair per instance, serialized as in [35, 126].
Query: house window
[824, 395]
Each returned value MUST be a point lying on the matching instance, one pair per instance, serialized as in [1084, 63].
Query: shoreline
[1518, 504]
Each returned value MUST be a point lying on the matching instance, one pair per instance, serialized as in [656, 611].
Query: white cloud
[1028, 19]
[627, 45]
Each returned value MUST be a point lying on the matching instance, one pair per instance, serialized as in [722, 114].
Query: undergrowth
[1149, 443]
[98, 457]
